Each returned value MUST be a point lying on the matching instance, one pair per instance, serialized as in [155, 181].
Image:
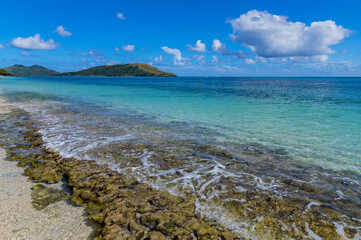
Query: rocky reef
[124, 208]
[121, 207]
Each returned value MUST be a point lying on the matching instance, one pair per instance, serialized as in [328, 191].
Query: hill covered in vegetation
[4, 73]
[135, 69]
[35, 70]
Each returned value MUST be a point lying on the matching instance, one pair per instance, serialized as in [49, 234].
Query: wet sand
[20, 220]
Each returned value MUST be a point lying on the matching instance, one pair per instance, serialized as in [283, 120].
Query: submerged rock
[42, 196]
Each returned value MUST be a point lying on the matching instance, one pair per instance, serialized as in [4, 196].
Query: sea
[222, 142]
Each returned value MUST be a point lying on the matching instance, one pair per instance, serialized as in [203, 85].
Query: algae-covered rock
[120, 206]
[124, 208]
[44, 171]
[42, 196]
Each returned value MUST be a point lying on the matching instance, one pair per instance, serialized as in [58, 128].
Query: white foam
[341, 232]
[311, 234]
[308, 207]
[340, 195]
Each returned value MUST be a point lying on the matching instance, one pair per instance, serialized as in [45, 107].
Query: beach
[139, 174]
[20, 220]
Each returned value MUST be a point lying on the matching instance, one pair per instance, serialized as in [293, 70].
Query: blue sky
[237, 38]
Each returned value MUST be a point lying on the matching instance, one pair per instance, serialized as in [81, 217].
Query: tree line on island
[134, 69]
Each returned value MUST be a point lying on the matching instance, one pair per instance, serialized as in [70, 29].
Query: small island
[35, 70]
[135, 69]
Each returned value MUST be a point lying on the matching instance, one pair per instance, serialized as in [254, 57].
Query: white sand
[4, 107]
[18, 218]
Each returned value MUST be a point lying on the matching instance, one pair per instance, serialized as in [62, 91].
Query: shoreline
[20, 220]
[120, 206]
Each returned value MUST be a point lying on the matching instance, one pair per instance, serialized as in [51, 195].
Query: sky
[189, 38]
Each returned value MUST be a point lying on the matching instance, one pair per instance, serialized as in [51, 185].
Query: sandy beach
[20, 220]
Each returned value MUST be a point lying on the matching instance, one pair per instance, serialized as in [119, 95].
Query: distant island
[35, 70]
[4, 73]
[134, 69]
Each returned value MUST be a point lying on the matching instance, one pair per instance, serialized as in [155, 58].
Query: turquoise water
[221, 142]
[317, 121]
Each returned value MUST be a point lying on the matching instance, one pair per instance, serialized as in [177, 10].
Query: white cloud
[116, 49]
[62, 32]
[121, 16]
[249, 61]
[198, 47]
[274, 36]
[201, 60]
[34, 43]
[1, 46]
[25, 54]
[219, 47]
[177, 56]
[215, 60]
[158, 59]
[128, 48]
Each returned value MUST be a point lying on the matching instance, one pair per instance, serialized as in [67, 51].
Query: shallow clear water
[206, 138]
[317, 120]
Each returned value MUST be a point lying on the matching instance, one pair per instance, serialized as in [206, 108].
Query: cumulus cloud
[177, 56]
[158, 59]
[219, 47]
[62, 32]
[1, 46]
[34, 43]
[198, 47]
[121, 16]
[274, 36]
[93, 53]
[128, 48]
[116, 49]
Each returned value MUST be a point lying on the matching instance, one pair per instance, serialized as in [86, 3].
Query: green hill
[135, 69]
[35, 70]
[4, 73]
